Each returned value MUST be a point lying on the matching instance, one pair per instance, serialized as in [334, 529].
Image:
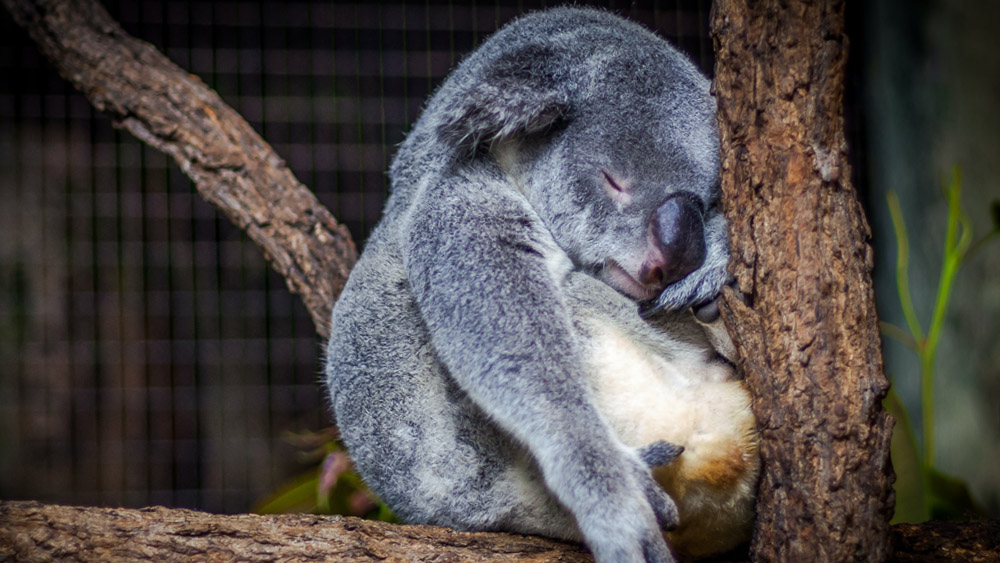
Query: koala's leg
[421, 444]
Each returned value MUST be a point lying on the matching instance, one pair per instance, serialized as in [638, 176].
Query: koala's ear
[518, 96]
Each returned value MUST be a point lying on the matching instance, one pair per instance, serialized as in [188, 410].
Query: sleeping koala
[488, 366]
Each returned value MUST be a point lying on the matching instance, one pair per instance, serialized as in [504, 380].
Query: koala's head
[611, 134]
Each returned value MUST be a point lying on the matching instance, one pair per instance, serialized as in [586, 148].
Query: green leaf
[297, 495]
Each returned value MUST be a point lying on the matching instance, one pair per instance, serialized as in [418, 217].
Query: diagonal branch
[175, 112]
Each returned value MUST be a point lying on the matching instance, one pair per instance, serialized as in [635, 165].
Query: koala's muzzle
[678, 231]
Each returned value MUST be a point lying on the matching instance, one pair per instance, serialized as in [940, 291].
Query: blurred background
[148, 355]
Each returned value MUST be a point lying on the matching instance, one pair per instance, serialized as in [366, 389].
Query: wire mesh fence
[148, 355]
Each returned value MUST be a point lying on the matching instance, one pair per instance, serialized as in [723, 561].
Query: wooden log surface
[31, 531]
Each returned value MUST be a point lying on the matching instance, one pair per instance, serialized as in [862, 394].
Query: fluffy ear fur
[518, 98]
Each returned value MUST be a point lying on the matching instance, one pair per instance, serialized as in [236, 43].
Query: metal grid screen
[148, 355]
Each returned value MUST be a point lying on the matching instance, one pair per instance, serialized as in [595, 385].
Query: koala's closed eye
[618, 190]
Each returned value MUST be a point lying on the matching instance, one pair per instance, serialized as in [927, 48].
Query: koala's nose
[679, 234]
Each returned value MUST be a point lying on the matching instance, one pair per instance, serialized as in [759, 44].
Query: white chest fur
[648, 395]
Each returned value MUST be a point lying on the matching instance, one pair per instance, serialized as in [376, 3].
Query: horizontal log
[32, 531]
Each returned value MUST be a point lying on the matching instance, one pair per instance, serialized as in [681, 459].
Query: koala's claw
[744, 298]
[648, 308]
[653, 455]
[664, 508]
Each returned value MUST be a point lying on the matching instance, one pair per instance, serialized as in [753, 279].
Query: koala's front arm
[485, 276]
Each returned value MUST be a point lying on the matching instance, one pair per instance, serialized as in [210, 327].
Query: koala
[514, 350]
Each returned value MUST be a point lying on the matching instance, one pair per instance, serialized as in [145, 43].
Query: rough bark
[807, 334]
[30, 531]
[965, 542]
[230, 164]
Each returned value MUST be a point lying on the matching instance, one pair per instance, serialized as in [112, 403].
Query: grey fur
[457, 351]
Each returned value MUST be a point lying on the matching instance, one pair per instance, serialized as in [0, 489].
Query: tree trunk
[807, 334]
[229, 163]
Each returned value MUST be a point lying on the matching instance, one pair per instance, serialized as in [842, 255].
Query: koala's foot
[623, 511]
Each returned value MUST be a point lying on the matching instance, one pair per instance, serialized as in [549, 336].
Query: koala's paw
[625, 522]
[699, 289]
[660, 453]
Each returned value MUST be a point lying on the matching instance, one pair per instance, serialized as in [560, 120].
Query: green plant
[921, 489]
[330, 486]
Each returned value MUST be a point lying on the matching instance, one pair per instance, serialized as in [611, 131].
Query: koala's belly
[646, 397]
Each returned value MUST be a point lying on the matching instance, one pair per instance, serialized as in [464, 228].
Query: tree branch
[230, 164]
[30, 531]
